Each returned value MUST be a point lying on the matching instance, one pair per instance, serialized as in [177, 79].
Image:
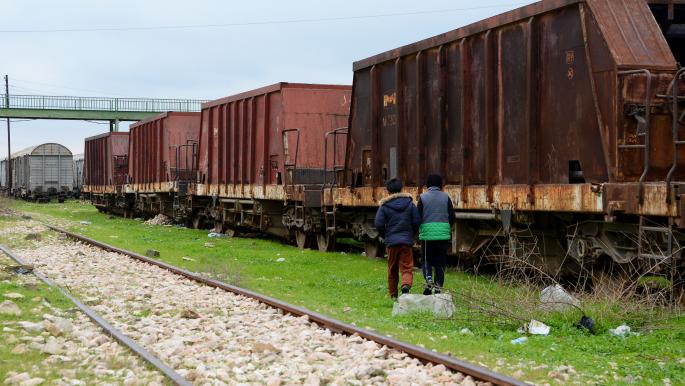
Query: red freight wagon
[105, 162]
[268, 137]
[162, 149]
[257, 144]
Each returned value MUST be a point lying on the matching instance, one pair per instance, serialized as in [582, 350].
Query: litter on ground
[520, 340]
[537, 328]
[621, 330]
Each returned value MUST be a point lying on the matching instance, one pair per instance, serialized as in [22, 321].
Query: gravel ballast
[212, 336]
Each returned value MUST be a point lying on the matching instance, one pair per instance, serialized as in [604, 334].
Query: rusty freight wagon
[561, 118]
[261, 157]
[104, 170]
[162, 159]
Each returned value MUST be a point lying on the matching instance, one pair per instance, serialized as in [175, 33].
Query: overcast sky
[200, 63]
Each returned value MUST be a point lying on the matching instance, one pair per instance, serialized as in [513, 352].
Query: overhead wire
[52, 85]
[252, 23]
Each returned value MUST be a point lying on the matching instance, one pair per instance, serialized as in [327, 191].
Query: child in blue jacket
[397, 220]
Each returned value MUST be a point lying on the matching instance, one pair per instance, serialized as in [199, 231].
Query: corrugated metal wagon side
[104, 169]
[562, 106]
[264, 147]
[43, 171]
[163, 161]
[163, 149]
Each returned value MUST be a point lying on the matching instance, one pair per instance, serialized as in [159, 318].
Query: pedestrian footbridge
[90, 108]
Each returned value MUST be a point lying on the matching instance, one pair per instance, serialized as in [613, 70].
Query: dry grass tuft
[641, 297]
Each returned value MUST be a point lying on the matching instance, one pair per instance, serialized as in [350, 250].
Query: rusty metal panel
[631, 34]
[585, 198]
[106, 160]
[569, 128]
[532, 96]
[242, 143]
[163, 148]
[315, 112]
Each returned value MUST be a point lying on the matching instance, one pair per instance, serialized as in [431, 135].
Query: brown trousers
[400, 258]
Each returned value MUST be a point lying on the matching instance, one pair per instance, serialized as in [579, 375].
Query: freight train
[562, 118]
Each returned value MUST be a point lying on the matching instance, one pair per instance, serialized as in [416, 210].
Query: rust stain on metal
[586, 198]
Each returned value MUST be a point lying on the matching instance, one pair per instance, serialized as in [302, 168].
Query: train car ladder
[329, 211]
[670, 256]
[643, 128]
[677, 119]
[641, 239]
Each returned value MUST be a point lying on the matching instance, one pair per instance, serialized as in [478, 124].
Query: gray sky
[199, 63]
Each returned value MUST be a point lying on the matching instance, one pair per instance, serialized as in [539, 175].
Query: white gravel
[214, 337]
[77, 351]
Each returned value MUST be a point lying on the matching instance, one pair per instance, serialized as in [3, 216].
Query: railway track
[267, 340]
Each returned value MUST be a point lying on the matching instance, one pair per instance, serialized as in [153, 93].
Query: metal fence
[48, 102]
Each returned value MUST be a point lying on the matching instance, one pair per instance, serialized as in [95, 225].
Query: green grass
[32, 308]
[352, 288]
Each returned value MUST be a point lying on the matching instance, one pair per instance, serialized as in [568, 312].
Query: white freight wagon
[43, 171]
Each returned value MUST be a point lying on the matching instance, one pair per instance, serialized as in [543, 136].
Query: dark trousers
[400, 258]
[434, 260]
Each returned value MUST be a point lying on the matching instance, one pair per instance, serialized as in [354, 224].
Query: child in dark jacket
[397, 220]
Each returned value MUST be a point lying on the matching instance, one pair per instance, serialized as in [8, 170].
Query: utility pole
[9, 148]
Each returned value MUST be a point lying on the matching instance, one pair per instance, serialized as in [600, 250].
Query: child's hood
[398, 201]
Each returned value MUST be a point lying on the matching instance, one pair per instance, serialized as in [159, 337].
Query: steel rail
[109, 329]
[334, 325]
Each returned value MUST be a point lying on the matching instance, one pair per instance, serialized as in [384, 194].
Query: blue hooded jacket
[397, 220]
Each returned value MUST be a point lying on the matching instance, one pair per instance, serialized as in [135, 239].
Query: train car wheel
[219, 227]
[197, 222]
[325, 242]
[302, 239]
[374, 249]
[230, 232]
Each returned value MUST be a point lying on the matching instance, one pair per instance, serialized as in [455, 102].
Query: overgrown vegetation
[634, 298]
[352, 288]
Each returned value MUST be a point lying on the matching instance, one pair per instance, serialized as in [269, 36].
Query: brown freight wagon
[162, 160]
[163, 149]
[555, 117]
[262, 148]
[104, 168]
[105, 162]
